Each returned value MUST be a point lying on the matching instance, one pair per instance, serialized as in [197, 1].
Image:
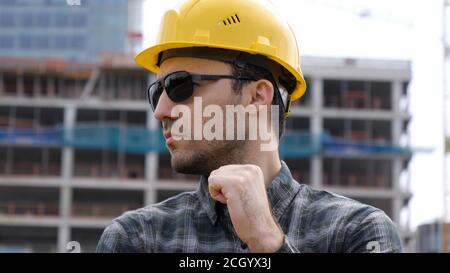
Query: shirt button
[243, 245]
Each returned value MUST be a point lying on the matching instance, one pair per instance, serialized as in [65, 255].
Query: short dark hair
[258, 73]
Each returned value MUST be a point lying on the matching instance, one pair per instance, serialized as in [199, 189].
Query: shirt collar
[281, 192]
[207, 202]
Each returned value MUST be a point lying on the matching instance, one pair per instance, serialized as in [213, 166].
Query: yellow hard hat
[250, 26]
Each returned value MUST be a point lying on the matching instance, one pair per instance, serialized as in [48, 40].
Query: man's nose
[164, 108]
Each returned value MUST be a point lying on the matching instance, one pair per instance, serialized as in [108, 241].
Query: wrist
[267, 241]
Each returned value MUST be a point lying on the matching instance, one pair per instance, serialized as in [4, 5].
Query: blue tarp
[112, 136]
[344, 146]
[31, 136]
[299, 144]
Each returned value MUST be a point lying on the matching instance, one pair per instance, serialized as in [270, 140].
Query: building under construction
[79, 144]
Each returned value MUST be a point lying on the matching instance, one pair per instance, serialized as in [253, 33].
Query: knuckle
[253, 169]
[247, 175]
[240, 179]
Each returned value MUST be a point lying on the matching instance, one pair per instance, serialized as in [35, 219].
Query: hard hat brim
[148, 59]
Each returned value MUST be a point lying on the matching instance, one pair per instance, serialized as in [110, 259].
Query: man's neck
[269, 162]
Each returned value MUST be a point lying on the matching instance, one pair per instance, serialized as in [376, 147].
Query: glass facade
[55, 29]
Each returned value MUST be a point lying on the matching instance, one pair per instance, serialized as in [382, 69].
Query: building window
[77, 42]
[60, 42]
[25, 41]
[79, 20]
[7, 20]
[6, 41]
[42, 20]
[26, 20]
[61, 20]
[8, 3]
[41, 41]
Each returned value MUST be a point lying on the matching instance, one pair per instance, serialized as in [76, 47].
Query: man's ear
[263, 92]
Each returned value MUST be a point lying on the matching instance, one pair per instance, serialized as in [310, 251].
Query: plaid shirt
[312, 221]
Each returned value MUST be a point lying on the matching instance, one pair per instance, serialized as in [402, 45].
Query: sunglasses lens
[179, 86]
[154, 93]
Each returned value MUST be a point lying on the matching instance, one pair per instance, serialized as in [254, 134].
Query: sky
[378, 29]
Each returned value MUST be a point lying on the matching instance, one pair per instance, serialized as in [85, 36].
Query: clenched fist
[242, 189]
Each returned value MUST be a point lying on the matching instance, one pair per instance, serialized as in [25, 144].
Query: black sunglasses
[179, 85]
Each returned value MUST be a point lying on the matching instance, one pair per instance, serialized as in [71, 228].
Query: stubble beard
[209, 156]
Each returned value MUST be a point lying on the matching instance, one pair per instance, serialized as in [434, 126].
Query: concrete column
[396, 95]
[408, 214]
[65, 199]
[316, 129]
[397, 162]
[67, 163]
[151, 176]
[151, 165]
[397, 202]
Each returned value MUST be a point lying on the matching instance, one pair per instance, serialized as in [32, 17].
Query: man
[236, 53]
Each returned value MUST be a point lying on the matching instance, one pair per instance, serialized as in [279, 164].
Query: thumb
[215, 190]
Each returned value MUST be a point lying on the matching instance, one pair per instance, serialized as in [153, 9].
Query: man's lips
[168, 137]
[167, 134]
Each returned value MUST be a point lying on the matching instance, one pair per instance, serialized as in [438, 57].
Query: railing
[166, 172]
[41, 209]
[357, 99]
[110, 171]
[381, 103]
[80, 209]
[356, 180]
[331, 101]
[30, 168]
[34, 208]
